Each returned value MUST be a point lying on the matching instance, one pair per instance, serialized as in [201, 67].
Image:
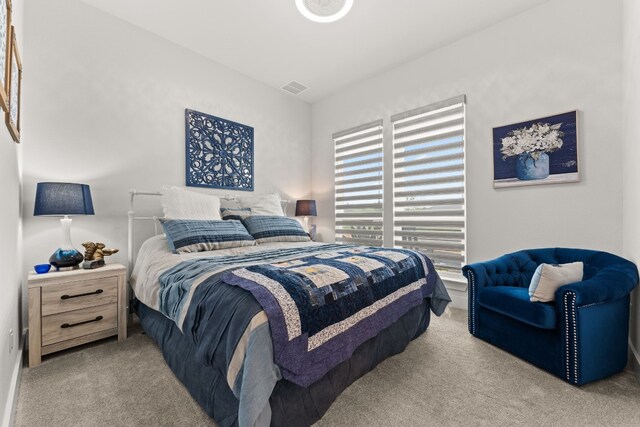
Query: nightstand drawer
[80, 294]
[77, 323]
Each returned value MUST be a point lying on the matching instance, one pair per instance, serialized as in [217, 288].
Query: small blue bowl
[42, 268]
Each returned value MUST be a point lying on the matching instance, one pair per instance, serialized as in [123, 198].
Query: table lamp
[64, 199]
[306, 208]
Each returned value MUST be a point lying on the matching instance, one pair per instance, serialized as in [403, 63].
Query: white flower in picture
[535, 140]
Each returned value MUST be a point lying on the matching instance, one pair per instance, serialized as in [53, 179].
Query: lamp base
[67, 259]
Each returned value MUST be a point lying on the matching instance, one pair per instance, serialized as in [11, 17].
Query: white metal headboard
[133, 218]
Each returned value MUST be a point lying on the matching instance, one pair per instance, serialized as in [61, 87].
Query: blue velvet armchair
[581, 337]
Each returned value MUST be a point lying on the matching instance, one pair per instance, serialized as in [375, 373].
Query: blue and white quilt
[316, 304]
[321, 302]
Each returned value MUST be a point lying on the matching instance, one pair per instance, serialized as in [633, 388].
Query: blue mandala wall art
[219, 152]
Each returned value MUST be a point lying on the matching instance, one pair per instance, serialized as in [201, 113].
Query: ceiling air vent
[294, 87]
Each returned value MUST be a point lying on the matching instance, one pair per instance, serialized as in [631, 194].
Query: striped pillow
[275, 229]
[185, 235]
[235, 213]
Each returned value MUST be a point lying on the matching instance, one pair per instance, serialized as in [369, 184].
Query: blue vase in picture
[528, 168]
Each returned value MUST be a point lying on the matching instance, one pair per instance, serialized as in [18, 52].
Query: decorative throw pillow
[197, 236]
[180, 203]
[535, 279]
[275, 229]
[264, 204]
[549, 277]
[229, 203]
[238, 214]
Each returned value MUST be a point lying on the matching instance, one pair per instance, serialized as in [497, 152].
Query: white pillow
[549, 277]
[180, 203]
[263, 204]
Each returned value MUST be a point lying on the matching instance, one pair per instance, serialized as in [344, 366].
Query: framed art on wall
[5, 51]
[540, 151]
[12, 117]
[219, 152]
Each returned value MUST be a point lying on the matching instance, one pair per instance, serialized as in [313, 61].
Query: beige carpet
[445, 377]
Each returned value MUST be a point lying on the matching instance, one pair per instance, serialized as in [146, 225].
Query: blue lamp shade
[306, 208]
[62, 198]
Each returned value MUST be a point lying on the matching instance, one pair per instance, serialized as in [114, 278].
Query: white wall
[631, 154]
[10, 252]
[106, 105]
[560, 56]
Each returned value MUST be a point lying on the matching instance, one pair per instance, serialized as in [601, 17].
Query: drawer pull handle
[71, 325]
[99, 291]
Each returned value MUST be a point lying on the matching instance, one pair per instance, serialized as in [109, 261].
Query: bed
[271, 334]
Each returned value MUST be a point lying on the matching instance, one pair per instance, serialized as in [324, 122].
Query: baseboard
[635, 360]
[14, 390]
[458, 299]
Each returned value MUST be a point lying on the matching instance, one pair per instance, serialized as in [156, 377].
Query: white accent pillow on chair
[549, 277]
[180, 203]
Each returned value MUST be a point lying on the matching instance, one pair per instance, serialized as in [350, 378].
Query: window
[359, 185]
[428, 184]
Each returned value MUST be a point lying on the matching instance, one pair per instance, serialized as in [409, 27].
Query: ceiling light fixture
[324, 10]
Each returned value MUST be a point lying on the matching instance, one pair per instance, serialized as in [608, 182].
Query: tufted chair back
[516, 269]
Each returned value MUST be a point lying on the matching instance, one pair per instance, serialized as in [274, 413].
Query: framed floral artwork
[5, 51]
[219, 152]
[12, 117]
[540, 151]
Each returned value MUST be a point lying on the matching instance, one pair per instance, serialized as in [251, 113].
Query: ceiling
[270, 41]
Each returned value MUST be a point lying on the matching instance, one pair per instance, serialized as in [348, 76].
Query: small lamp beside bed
[64, 199]
[307, 208]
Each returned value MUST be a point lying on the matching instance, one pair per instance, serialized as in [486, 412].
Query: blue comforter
[307, 309]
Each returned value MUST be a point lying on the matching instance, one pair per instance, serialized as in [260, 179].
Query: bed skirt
[291, 405]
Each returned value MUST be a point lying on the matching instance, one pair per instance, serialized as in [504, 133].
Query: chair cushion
[514, 302]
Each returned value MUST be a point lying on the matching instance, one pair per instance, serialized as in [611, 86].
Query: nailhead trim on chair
[566, 334]
[575, 338]
[472, 303]
[570, 326]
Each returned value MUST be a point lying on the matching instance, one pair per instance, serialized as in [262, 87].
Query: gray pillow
[237, 214]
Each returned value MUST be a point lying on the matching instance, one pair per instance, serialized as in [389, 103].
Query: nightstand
[71, 308]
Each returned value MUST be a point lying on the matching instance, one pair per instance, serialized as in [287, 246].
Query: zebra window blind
[359, 184]
[429, 185]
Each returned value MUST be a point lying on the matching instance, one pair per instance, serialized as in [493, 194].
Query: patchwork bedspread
[306, 308]
[322, 306]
